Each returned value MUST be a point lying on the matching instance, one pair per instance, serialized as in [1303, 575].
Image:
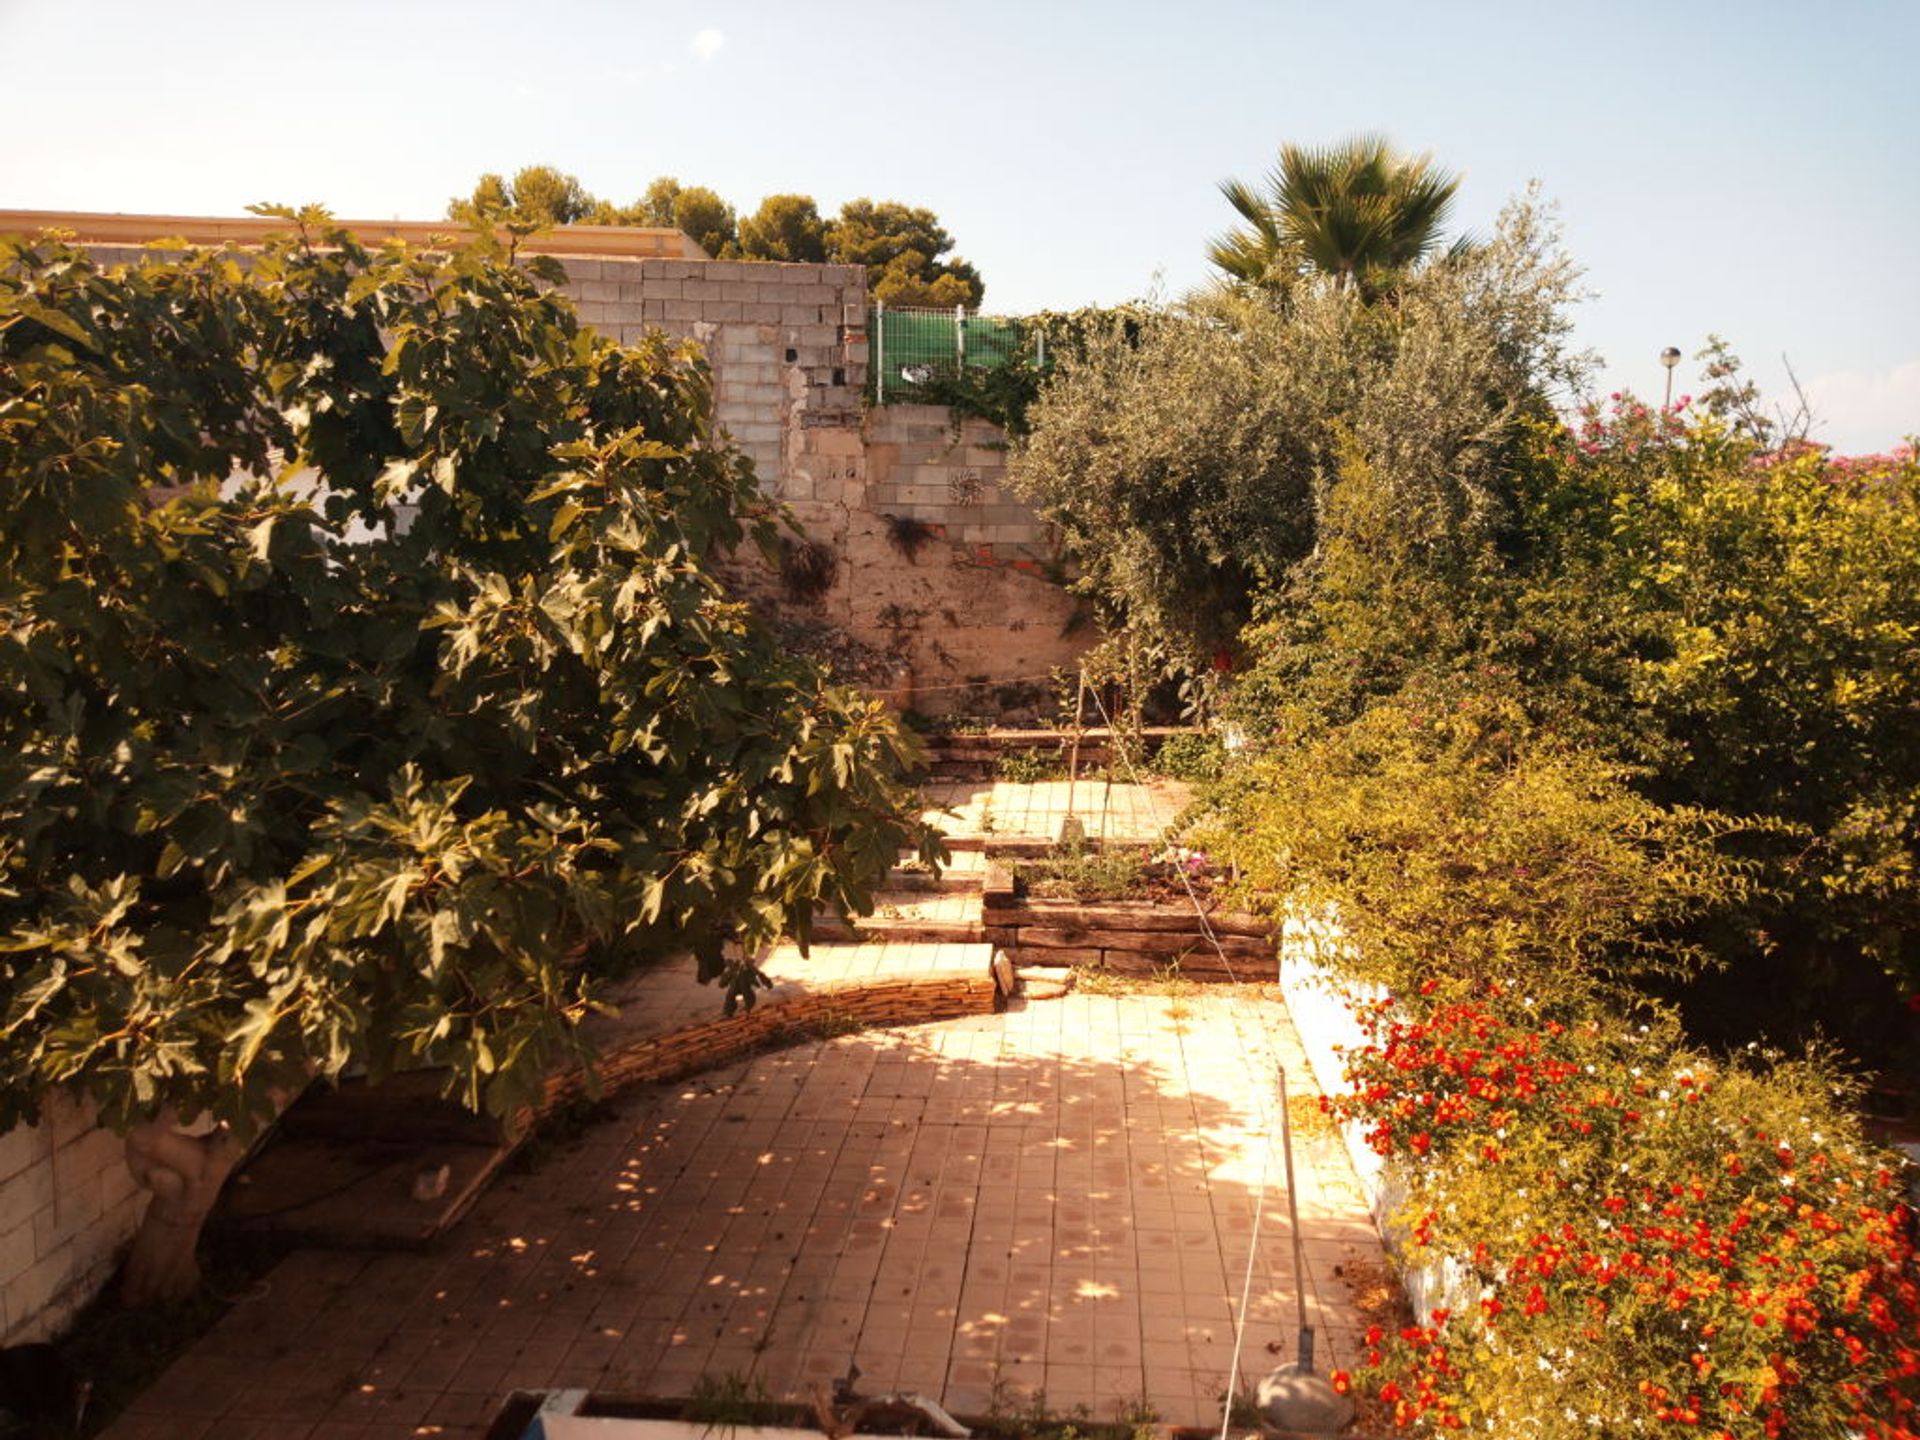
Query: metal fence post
[960, 334]
[879, 352]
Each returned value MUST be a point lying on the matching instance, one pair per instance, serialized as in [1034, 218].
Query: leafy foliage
[1188, 464]
[1746, 625]
[367, 696]
[693, 210]
[1355, 212]
[1199, 759]
[1452, 839]
[901, 246]
[537, 195]
[785, 227]
[1004, 393]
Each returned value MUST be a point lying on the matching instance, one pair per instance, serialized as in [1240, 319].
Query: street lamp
[1669, 357]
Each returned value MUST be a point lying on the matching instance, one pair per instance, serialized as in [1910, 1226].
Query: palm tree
[1356, 211]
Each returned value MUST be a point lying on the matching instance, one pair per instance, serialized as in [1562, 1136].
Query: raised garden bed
[1126, 937]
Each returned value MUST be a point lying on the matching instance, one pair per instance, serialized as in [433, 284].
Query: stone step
[941, 914]
[901, 928]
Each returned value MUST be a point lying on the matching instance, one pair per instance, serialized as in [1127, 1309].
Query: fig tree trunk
[184, 1173]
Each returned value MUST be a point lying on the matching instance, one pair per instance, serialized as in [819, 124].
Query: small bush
[1029, 767]
[1453, 840]
[1079, 873]
[1197, 759]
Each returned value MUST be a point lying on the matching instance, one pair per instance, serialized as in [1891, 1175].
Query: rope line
[1266, 1115]
[1246, 1286]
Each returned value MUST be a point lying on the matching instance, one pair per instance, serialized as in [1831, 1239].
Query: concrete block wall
[972, 609]
[787, 343]
[68, 1207]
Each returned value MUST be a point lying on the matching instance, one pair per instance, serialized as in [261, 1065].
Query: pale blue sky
[1751, 168]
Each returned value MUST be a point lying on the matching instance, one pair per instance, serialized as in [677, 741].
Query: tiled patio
[1060, 1198]
[1037, 809]
[1057, 1199]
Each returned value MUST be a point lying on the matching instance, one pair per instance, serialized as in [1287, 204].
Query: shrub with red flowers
[1654, 1241]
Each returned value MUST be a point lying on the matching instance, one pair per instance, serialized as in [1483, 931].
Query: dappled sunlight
[1059, 1198]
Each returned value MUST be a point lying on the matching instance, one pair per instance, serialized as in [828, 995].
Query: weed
[1083, 873]
[908, 535]
[1167, 980]
[1138, 1418]
[1028, 767]
[726, 1401]
[1194, 758]
[807, 569]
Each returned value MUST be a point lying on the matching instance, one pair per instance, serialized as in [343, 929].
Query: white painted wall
[68, 1207]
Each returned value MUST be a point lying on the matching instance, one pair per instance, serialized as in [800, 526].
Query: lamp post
[1669, 357]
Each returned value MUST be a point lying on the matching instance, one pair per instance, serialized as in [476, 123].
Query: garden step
[883, 927]
[951, 878]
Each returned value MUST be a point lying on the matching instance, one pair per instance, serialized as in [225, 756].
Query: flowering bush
[1655, 1240]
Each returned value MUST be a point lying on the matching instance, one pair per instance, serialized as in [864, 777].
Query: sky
[1742, 167]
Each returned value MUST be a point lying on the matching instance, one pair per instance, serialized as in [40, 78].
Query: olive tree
[367, 693]
[1191, 460]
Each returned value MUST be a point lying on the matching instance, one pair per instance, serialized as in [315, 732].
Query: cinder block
[794, 273]
[19, 1148]
[26, 1194]
[30, 1293]
[66, 1118]
[672, 269]
[17, 1250]
[637, 293]
[579, 270]
[685, 310]
[88, 1155]
[1005, 513]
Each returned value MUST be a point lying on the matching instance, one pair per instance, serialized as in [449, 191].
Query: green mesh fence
[909, 346]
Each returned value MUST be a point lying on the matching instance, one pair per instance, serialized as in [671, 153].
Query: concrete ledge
[1327, 1028]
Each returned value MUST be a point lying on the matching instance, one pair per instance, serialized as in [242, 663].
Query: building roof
[620, 241]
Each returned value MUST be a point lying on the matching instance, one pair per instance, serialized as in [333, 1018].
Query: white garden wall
[68, 1206]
